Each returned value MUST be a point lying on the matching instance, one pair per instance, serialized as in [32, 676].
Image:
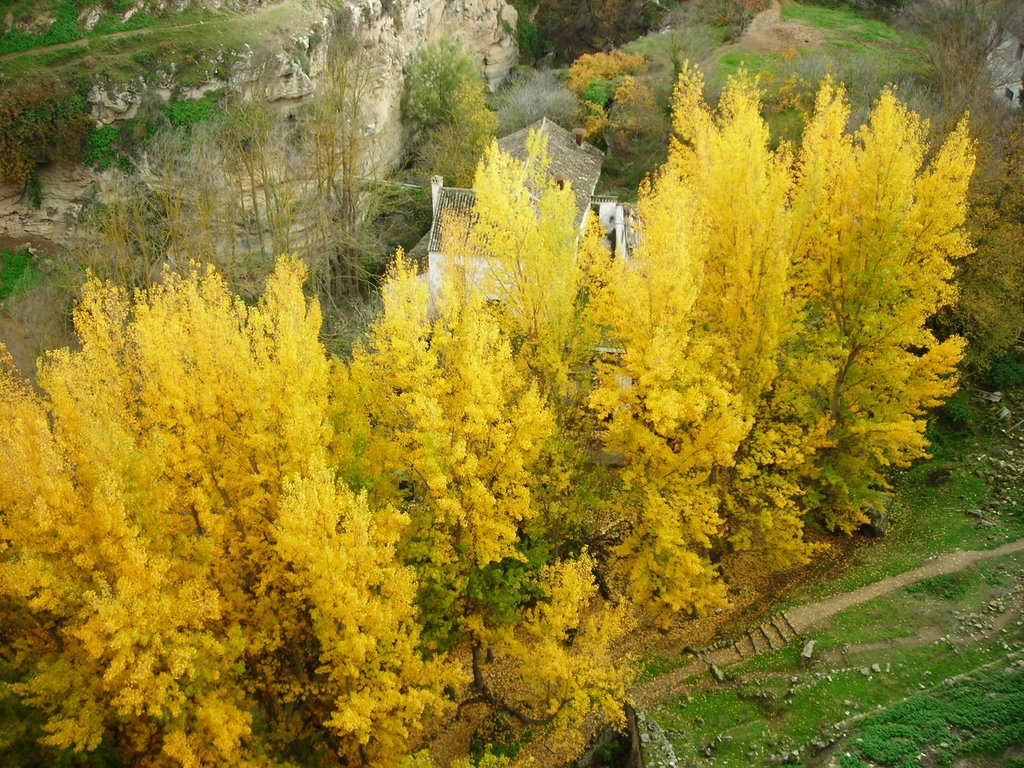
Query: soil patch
[768, 33]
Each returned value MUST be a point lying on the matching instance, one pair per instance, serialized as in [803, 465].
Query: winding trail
[810, 615]
[84, 42]
[804, 617]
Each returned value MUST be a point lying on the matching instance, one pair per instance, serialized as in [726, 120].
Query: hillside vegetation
[281, 502]
[186, 47]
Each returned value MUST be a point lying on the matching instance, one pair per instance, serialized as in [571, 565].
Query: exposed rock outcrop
[484, 28]
[390, 31]
[65, 190]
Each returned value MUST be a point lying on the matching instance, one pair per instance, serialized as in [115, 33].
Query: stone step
[788, 623]
[757, 640]
[769, 638]
[775, 638]
[745, 647]
[783, 628]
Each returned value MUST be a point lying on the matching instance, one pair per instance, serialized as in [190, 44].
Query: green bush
[528, 37]
[17, 272]
[182, 114]
[957, 409]
[433, 76]
[101, 147]
[1006, 370]
[599, 92]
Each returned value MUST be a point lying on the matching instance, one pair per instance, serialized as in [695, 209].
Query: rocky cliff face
[391, 33]
[484, 28]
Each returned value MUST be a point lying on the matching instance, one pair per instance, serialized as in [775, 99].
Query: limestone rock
[65, 190]
[109, 104]
[91, 19]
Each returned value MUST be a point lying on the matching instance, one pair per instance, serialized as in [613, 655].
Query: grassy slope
[774, 704]
[862, 52]
[195, 45]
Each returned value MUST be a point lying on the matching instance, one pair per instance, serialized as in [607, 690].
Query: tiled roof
[580, 165]
[453, 204]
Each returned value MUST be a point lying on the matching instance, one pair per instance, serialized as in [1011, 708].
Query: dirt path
[85, 41]
[768, 33]
[805, 617]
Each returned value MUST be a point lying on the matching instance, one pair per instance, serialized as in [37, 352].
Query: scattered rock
[92, 18]
[808, 652]
[877, 523]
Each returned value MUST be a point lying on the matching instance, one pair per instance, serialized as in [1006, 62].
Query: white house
[572, 160]
[1006, 68]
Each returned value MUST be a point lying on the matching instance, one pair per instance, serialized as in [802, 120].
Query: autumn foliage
[218, 546]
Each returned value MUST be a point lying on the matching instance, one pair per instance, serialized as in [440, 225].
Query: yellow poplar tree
[448, 426]
[565, 652]
[742, 193]
[161, 578]
[445, 419]
[877, 230]
[524, 228]
[670, 414]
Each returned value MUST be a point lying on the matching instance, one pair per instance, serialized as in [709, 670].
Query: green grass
[762, 716]
[949, 587]
[927, 517]
[65, 28]
[650, 667]
[844, 21]
[774, 703]
[196, 44]
[980, 715]
[17, 272]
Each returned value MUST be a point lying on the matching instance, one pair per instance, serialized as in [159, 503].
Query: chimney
[620, 231]
[578, 134]
[436, 185]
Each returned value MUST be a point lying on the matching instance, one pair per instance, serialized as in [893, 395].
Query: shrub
[41, 120]
[533, 96]
[529, 40]
[598, 92]
[182, 114]
[602, 66]
[101, 147]
[432, 78]
[1006, 370]
[957, 409]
